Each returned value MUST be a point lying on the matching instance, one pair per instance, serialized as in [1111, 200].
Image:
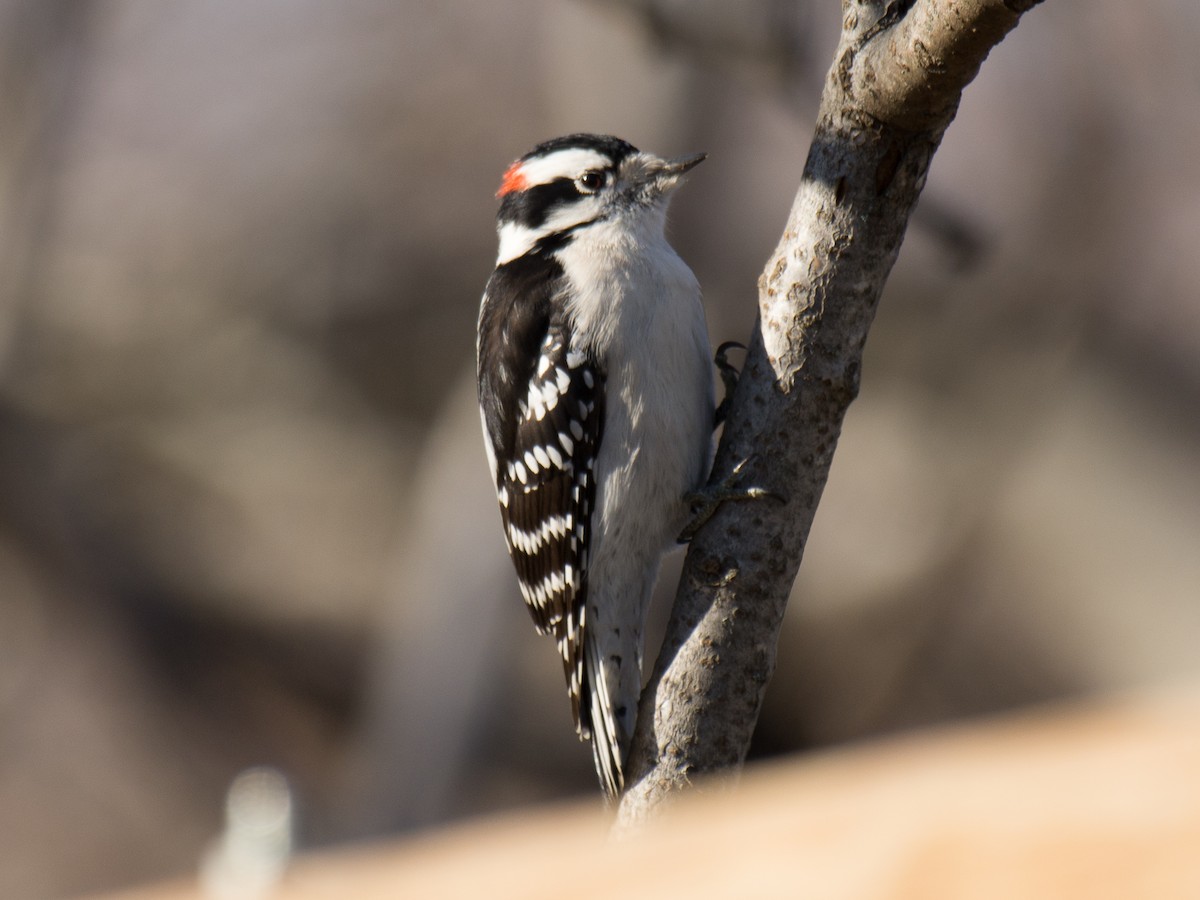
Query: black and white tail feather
[596, 399]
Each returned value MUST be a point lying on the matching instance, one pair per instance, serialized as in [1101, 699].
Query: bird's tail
[610, 740]
[594, 689]
[612, 673]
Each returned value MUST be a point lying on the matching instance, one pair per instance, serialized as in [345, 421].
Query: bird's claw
[705, 502]
[729, 378]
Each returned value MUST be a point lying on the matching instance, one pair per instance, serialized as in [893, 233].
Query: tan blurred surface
[1100, 800]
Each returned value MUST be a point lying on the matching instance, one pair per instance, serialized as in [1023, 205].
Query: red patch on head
[513, 180]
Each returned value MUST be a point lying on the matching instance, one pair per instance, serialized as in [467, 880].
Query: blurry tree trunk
[893, 89]
[45, 52]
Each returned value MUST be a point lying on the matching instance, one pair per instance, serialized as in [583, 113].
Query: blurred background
[244, 511]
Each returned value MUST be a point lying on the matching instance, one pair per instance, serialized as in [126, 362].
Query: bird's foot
[729, 378]
[705, 502]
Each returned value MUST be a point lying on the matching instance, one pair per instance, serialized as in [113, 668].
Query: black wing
[543, 403]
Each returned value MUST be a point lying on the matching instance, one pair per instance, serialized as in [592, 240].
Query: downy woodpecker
[597, 404]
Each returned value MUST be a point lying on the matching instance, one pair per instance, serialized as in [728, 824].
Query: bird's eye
[590, 182]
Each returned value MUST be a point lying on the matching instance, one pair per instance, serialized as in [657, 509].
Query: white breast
[637, 305]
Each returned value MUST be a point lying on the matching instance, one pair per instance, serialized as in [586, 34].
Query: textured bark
[893, 89]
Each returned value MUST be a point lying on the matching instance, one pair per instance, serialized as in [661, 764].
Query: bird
[596, 401]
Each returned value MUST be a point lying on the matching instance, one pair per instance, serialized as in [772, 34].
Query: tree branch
[893, 89]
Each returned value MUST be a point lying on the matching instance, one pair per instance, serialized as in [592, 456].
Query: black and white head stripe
[562, 158]
[543, 405]
[559, 185]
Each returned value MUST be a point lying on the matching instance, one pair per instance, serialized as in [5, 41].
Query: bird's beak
[679, 165]
[661, 175]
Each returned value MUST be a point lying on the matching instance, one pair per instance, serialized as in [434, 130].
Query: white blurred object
[248, 859]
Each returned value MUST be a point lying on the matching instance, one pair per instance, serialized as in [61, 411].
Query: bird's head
[571, 182]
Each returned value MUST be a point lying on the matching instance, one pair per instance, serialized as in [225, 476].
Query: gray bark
[893, 89]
